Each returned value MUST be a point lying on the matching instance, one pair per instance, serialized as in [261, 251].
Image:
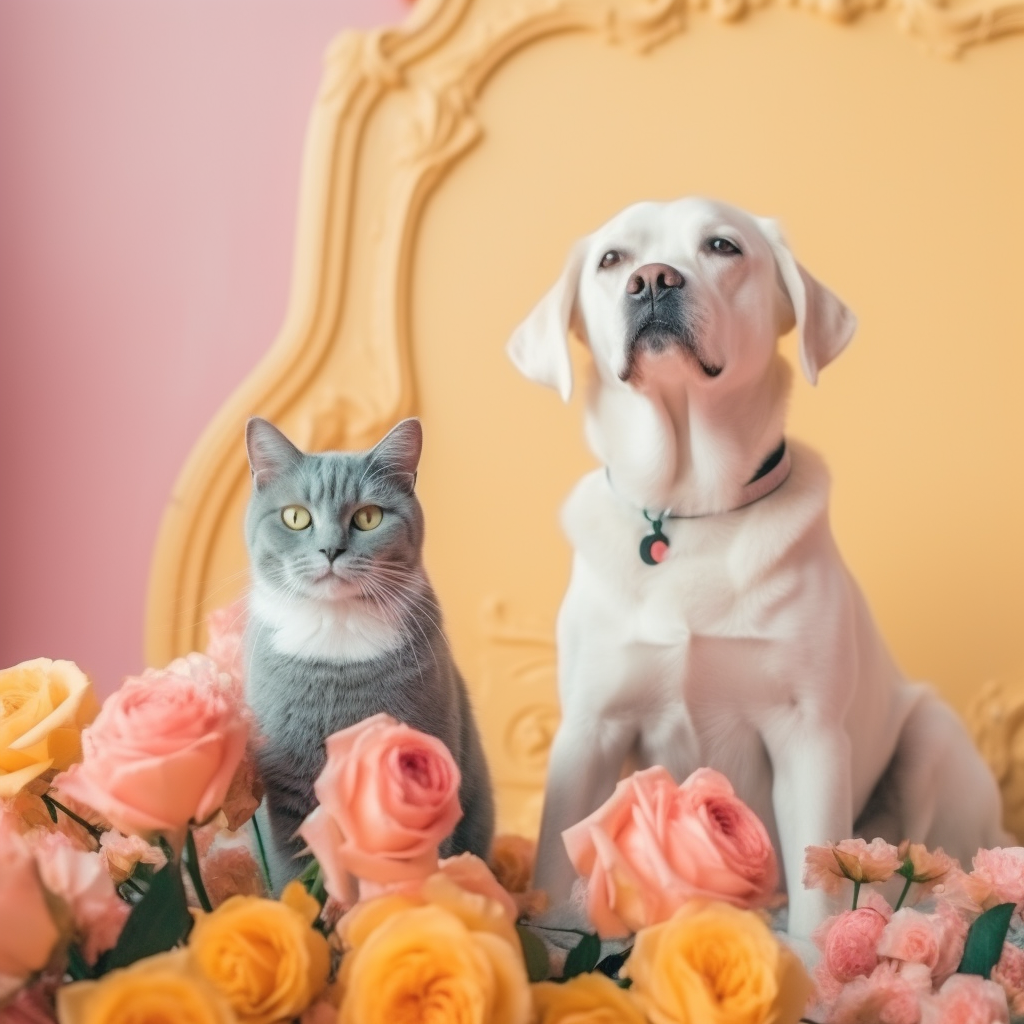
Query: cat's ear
[270, 452]
[398, 454]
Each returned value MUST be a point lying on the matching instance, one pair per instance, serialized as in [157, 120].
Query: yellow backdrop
[449, 165]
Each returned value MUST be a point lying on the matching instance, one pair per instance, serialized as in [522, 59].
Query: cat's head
[334, 525]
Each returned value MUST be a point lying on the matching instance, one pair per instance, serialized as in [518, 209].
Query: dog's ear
[539, 346]
[824, 323]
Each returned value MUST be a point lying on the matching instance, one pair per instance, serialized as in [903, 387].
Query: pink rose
[968, 999]
[911, 937]
[998, 877]
[654, 845]
[80, 880]
[928, 868]
[163, 749]
[1009, 975]
[29, 933]
[388, 796]
[888, 995]
[825, 867]
[849, 941]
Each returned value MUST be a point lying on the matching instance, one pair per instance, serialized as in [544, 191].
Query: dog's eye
[610, 258]
[724, 246]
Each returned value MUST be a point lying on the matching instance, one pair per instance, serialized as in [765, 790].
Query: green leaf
[157, 923]
[612, 964]
[985, 940]
[583, 958]
[51, 810]
[535, 954]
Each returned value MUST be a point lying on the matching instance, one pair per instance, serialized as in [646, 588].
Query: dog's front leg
[813, 803]
[598, 727]
[585, 763]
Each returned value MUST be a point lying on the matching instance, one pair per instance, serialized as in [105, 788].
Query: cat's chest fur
[341, 632]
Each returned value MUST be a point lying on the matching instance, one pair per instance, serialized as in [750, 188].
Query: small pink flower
[825, 867]
[968, 999]
[163, 749]
[80, 880]
[120, 853]
[849, 942]
[225, 629]
[888, 995]
[31, 1005]
[928, 868]
[998, 876]
[1009, 974]
[388, 796]
[654, 845]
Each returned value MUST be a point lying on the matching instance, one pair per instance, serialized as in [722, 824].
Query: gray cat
[343, 623]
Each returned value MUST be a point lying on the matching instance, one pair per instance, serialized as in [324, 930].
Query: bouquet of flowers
[133, 887]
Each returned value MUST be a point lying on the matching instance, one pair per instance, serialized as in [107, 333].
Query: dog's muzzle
[659, 317]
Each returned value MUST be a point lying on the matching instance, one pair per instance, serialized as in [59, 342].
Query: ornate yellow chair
[450, 162]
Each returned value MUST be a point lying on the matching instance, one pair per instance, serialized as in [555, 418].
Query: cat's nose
[331, 553]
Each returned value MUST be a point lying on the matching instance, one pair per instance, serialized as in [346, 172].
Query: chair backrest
[450, 163]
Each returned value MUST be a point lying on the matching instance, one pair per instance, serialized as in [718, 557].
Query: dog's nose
[653, 280]
[331, 553]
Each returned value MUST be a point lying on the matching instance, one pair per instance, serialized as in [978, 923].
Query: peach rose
[79, 879]
[163, 749]
[388, 796]
[654, 845]
[998, 877]
[44, 705]
[825, 867]
[889, 994]
[26, 948]
[967, 999]
[927, 868]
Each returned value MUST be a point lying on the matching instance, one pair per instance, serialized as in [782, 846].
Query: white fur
[751, 649]
[345, 630]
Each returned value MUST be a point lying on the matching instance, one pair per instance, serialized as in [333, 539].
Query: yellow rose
[712, 963]
[410, 963]
[162, 989]
[263, 955]
[585, 999]
[44, 705]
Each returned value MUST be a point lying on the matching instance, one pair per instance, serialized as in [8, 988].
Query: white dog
[709, 619]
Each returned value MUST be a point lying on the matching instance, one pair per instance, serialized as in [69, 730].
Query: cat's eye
[295, 517]
[368, 517]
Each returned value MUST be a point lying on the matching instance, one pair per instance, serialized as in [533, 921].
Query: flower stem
[191, 859]
[903, 895]
[77, 966]
[856, 893]
[263, 854]
[90, 828]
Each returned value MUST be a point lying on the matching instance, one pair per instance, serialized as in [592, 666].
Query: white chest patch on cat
[342, 632]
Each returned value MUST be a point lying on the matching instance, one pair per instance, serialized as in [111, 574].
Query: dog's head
[698, 282]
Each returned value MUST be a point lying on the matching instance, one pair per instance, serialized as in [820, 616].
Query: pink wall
[149, 160]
